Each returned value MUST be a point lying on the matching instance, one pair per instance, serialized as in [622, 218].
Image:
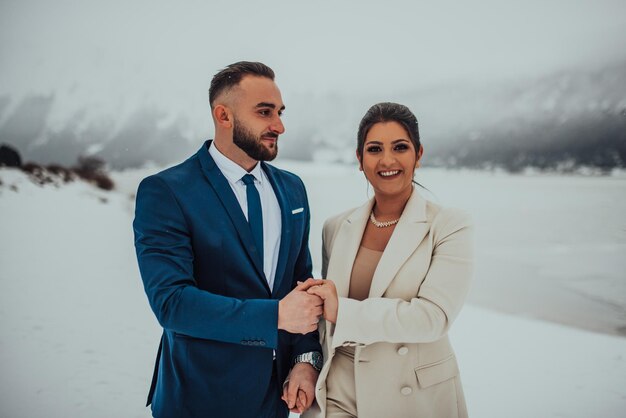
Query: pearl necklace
[383, 224]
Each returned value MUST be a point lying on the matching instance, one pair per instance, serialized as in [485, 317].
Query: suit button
[406, 390]
[403, 350]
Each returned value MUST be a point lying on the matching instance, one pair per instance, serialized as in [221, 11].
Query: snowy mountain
[562, 122]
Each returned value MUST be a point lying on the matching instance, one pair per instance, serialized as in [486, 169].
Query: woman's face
[389, 159]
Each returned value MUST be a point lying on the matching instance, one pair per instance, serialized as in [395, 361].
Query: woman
[397, 273]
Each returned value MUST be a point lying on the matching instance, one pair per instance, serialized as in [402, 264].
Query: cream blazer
[404, 363]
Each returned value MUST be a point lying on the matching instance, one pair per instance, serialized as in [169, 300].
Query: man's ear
[222, 116]
[418, 162]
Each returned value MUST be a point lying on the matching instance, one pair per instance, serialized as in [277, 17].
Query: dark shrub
[37, 173]
[103, 181]
[65, 173]
[89, 165]
[9, 157]
[91, 169]
[32, 168]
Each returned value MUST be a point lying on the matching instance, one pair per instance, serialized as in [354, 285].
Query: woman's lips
[389, 174]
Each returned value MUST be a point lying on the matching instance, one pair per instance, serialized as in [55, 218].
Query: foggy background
[506, 87]
[493, 83]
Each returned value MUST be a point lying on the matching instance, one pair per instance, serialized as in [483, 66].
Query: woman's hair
[388, 112]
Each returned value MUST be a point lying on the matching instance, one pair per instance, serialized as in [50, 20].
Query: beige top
[363, 270]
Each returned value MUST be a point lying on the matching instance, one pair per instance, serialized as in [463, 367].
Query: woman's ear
[358, 157]
[419, 156]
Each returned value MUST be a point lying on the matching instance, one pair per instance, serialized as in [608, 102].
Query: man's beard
[252, 145]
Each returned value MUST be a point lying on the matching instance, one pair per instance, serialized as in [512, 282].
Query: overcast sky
[112, 56]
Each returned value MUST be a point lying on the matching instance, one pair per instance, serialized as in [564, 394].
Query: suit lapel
[345, 248]
[226, 196]
[286, 223]
[408, 234]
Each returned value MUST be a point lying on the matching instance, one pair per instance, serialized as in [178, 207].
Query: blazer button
[403, 350]
[406, 390]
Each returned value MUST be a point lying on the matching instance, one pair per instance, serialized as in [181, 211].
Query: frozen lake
[77, 337]
[548, 246]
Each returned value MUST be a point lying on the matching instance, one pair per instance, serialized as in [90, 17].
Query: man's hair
[230, 76]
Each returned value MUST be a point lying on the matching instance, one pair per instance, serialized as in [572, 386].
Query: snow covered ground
[77, 338]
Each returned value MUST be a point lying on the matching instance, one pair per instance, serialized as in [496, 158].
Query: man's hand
[299, 389]
[326, 290]
[299, 312]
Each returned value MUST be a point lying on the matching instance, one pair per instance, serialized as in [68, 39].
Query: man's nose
[277, 126]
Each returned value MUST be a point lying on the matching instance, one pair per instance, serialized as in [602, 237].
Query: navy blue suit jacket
[206, 286]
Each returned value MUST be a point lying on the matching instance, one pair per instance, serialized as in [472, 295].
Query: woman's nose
[387, 159]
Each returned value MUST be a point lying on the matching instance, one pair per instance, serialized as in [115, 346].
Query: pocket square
[293, 212]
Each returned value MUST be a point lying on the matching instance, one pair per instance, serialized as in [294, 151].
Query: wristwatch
[314, 358]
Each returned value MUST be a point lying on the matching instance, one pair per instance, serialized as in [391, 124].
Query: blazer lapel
[226, 196]
[345, 248]
[286, 223]
[408, 234]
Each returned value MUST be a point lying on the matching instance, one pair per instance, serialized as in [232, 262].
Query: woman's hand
[327, 291]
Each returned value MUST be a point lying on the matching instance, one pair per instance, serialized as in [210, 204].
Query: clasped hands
[300, 312]
[327, 292]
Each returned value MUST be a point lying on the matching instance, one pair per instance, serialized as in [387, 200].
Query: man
[222, 240]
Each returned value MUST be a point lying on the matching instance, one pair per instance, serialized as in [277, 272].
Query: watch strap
[314, 358]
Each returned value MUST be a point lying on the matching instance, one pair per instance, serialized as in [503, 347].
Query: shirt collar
[231, 170]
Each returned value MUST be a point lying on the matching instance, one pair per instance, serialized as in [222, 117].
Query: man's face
[257, 111]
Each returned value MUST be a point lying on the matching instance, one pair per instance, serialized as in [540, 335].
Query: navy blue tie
[255, 214]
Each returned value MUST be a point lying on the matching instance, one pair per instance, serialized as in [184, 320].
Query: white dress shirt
[269, 206]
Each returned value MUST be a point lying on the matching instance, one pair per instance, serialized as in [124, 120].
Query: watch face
[317, 360]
